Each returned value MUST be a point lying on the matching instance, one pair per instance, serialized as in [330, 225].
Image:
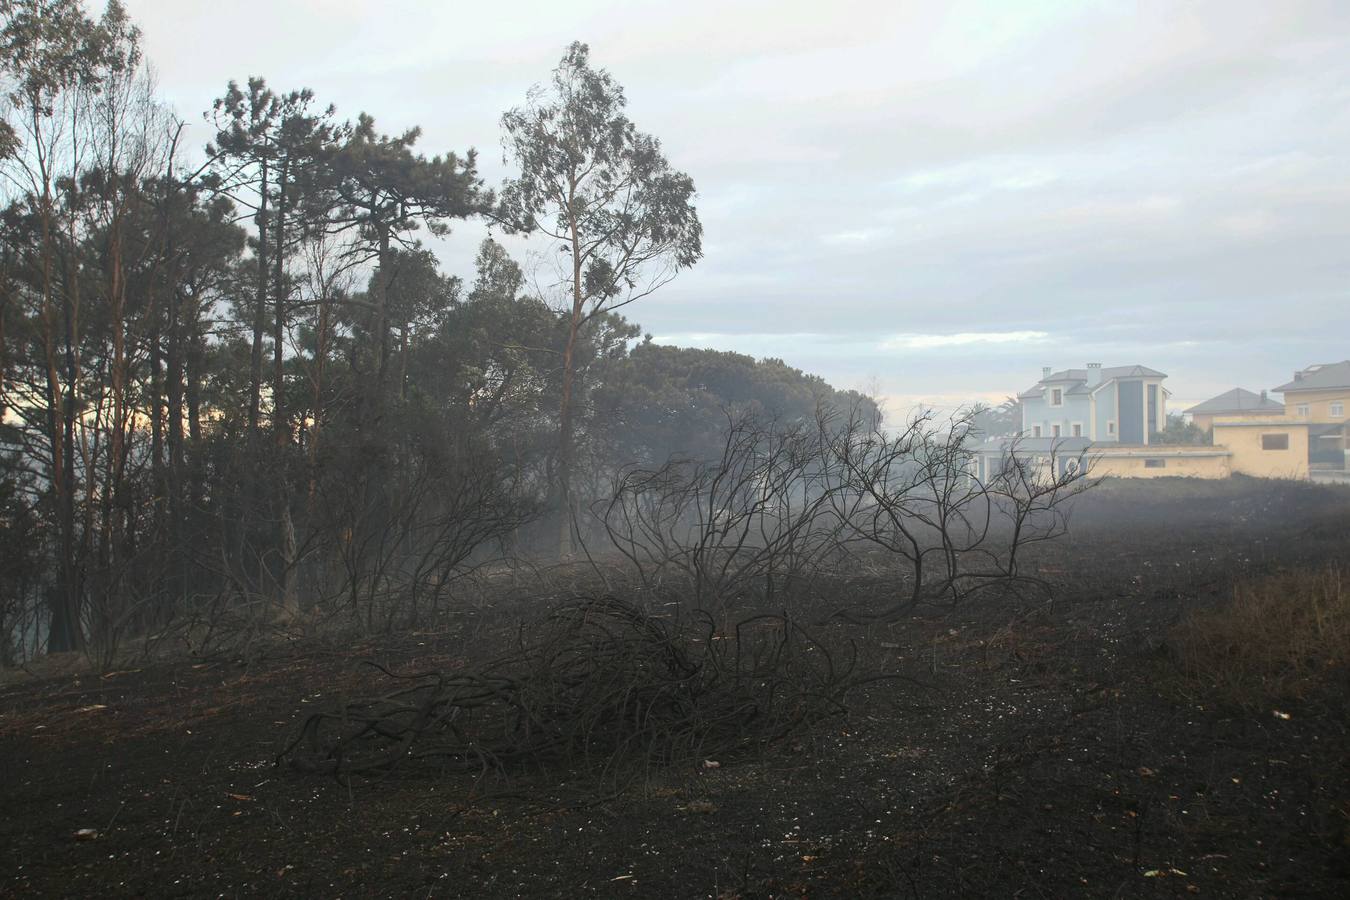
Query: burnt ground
[1031, 750]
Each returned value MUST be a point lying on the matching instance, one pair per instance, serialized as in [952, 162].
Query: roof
[1079, 378]
[1107, 374]
[1235, 401]
[1319, 378]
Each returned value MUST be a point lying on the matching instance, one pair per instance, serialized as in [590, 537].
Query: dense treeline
[234, 377]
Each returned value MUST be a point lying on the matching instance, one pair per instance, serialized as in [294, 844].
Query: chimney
[1094, 374]
[1263, 396]
[1045, 372]
[1298, 376]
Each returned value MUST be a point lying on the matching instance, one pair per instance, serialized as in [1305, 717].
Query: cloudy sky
[931, 199]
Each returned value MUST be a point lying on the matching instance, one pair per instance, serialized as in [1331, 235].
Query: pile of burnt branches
[598, 685]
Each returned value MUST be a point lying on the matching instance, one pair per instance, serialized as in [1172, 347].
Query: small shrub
[1280, 638]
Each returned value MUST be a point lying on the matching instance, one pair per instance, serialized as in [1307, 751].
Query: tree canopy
[240, 374]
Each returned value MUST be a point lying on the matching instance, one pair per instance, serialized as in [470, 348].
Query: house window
[1035, 431]
[1054, 429]
[1155, 464]
[1275, 442]
[1301, 410]
[1057, 396]
[1338, 409]
[1110, 427]
[1077, 429]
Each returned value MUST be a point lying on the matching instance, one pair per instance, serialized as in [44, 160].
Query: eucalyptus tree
[55, 60]
[623, 218]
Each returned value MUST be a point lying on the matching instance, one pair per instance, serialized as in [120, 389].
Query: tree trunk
[173, 393]
[565, 438]
[194, 362]
[281, 431]
[316, 402]
[565, 425]
[69, 413]
[290, 602]
[253, 445]
[259, 314]
[382, 309]
[64, 625]
[157, 416]
[118, 375]
[192, 390]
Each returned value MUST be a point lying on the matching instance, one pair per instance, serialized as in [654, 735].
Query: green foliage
[659, 401]
[145, 339]
[257, 127]
[1004, 420]
[589, 179]
[606, 195]
[387, 190]
[52, 46]
[1180, 431]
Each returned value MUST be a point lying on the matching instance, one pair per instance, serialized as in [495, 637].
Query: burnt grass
[1031, 749]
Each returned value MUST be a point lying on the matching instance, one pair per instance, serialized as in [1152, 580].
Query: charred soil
[1027, 748]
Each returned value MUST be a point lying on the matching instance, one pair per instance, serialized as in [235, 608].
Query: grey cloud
[1146, 182]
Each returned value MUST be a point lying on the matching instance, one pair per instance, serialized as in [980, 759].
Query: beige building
[1262, 448]
[1276, 447]
[1320, 396]
[1305, 437]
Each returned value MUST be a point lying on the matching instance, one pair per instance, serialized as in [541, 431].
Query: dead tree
[948, 535]
[787, 504]
[751, 523]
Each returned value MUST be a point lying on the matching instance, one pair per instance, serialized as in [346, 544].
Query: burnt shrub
[1281, 638]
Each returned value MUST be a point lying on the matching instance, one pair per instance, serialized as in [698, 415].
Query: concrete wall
[1242, 439]
[1176, 463]
[1237, 450]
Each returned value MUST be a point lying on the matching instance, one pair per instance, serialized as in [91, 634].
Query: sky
[926, 200]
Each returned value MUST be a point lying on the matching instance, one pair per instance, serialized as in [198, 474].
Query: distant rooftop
[1319, 378]
[1107, 374]
[1078, 378]
[1237, 400]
